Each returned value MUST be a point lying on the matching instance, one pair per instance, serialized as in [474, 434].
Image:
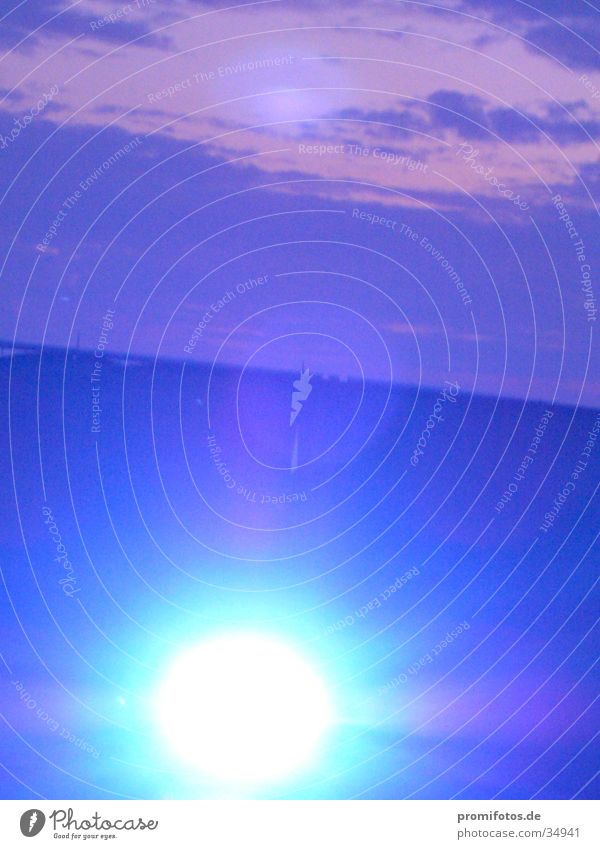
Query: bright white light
[244, 708]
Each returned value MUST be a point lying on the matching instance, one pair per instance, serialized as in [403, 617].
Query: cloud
[532, 9]
[33, 22]
[263, 78]
[474, 119]
[570, 32]
[567, 46]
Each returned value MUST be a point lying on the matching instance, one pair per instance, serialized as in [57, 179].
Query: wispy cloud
[278, 76]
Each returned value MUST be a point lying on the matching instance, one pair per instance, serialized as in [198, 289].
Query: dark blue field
[458, 636]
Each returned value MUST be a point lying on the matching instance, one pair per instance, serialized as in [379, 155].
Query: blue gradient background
[217, 193]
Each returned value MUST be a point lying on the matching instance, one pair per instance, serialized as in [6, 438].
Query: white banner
[302, 824]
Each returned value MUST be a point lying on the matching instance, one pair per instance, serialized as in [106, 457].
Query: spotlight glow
[244, 708]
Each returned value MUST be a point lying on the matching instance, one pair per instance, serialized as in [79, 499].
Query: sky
[298, 333]
[444, 588]
[180, 152]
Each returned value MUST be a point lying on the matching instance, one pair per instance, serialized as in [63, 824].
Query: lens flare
[244, 708]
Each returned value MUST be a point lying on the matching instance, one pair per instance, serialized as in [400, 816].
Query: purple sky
[392, 166]
[402, 192]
